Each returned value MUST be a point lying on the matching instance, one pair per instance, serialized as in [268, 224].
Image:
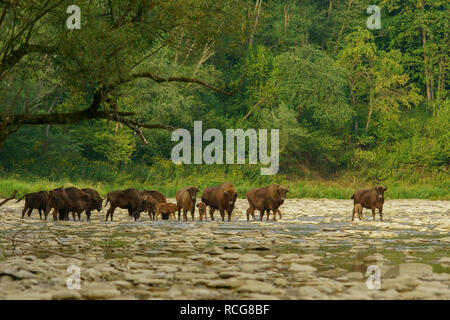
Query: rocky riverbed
[313, 252]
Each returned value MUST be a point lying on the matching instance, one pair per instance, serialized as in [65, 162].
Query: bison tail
[107, 199]
[20, 199]
[353, 196]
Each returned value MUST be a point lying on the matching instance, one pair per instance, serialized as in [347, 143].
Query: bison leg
[24, 210]
[380, 210]
[250, 211]
[29, 212]
[88, 215]
[373, 213]
[261, 214]
[40, 213]
[274, 215]
[229, 216]
[222, 214]
[353, 213]
[110, 212]
[192, 214]
[55, 215]
[185, 218]
[211, 213]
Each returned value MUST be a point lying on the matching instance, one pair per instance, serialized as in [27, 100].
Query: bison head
[193, 193]
[380, 192]
[230, 195]
[282, 192]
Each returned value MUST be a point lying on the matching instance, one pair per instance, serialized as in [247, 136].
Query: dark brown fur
[158, 196]
[370, 199]
[79, 201]
[37, 200]
[222, 198]
[266, 199]
[130, 199]
[186, 199]
[97, 201]
[60, 202]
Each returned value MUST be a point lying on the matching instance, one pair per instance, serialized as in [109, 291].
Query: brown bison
[79, 201]
[60, 202]
[265, 199]
[131, 199]
[357, 208]
[201, 210]
[97, 201]
[166, 209]
[370, 199]
[150, 205]
[158, 196]
[37, 200]
[222, 198]
[186, 199]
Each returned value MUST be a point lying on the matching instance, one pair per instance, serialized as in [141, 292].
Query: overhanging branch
[176, 79]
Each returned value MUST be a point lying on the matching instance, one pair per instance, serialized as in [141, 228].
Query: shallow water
[319, 231]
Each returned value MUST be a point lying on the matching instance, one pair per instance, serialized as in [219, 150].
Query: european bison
[131, 199]
[97, 201]
[265, 199]
[158, 196]
[59, 200]
[357, 208]
[166, 208]
[149, 205]
[186, 199]
[37, 200]
[222, 198]
[370, 199]
[79, 201]
[201, 210]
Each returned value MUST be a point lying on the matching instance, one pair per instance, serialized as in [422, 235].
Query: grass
[340, 188]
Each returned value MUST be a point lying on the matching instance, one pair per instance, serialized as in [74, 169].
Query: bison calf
[166, 208]
[357, 208]
[202, 210]
[370, 199]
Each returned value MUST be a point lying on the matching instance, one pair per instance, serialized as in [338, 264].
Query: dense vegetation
[354, 106]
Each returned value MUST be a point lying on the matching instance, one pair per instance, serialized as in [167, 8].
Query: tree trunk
[330, 8]
[257, 11]
[425, 65]
[369, 115]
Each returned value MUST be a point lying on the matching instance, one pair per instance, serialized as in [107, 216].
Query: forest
[354, 106]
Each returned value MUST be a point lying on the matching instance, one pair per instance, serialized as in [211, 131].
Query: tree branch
[174, 79]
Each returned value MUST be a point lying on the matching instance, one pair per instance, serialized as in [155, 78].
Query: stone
[99, 291]
[66, 295]
[214, 251]
[294, 267]
[307, 292]
[354, 276]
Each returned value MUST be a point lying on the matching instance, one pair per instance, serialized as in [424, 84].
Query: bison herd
[64, 201]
